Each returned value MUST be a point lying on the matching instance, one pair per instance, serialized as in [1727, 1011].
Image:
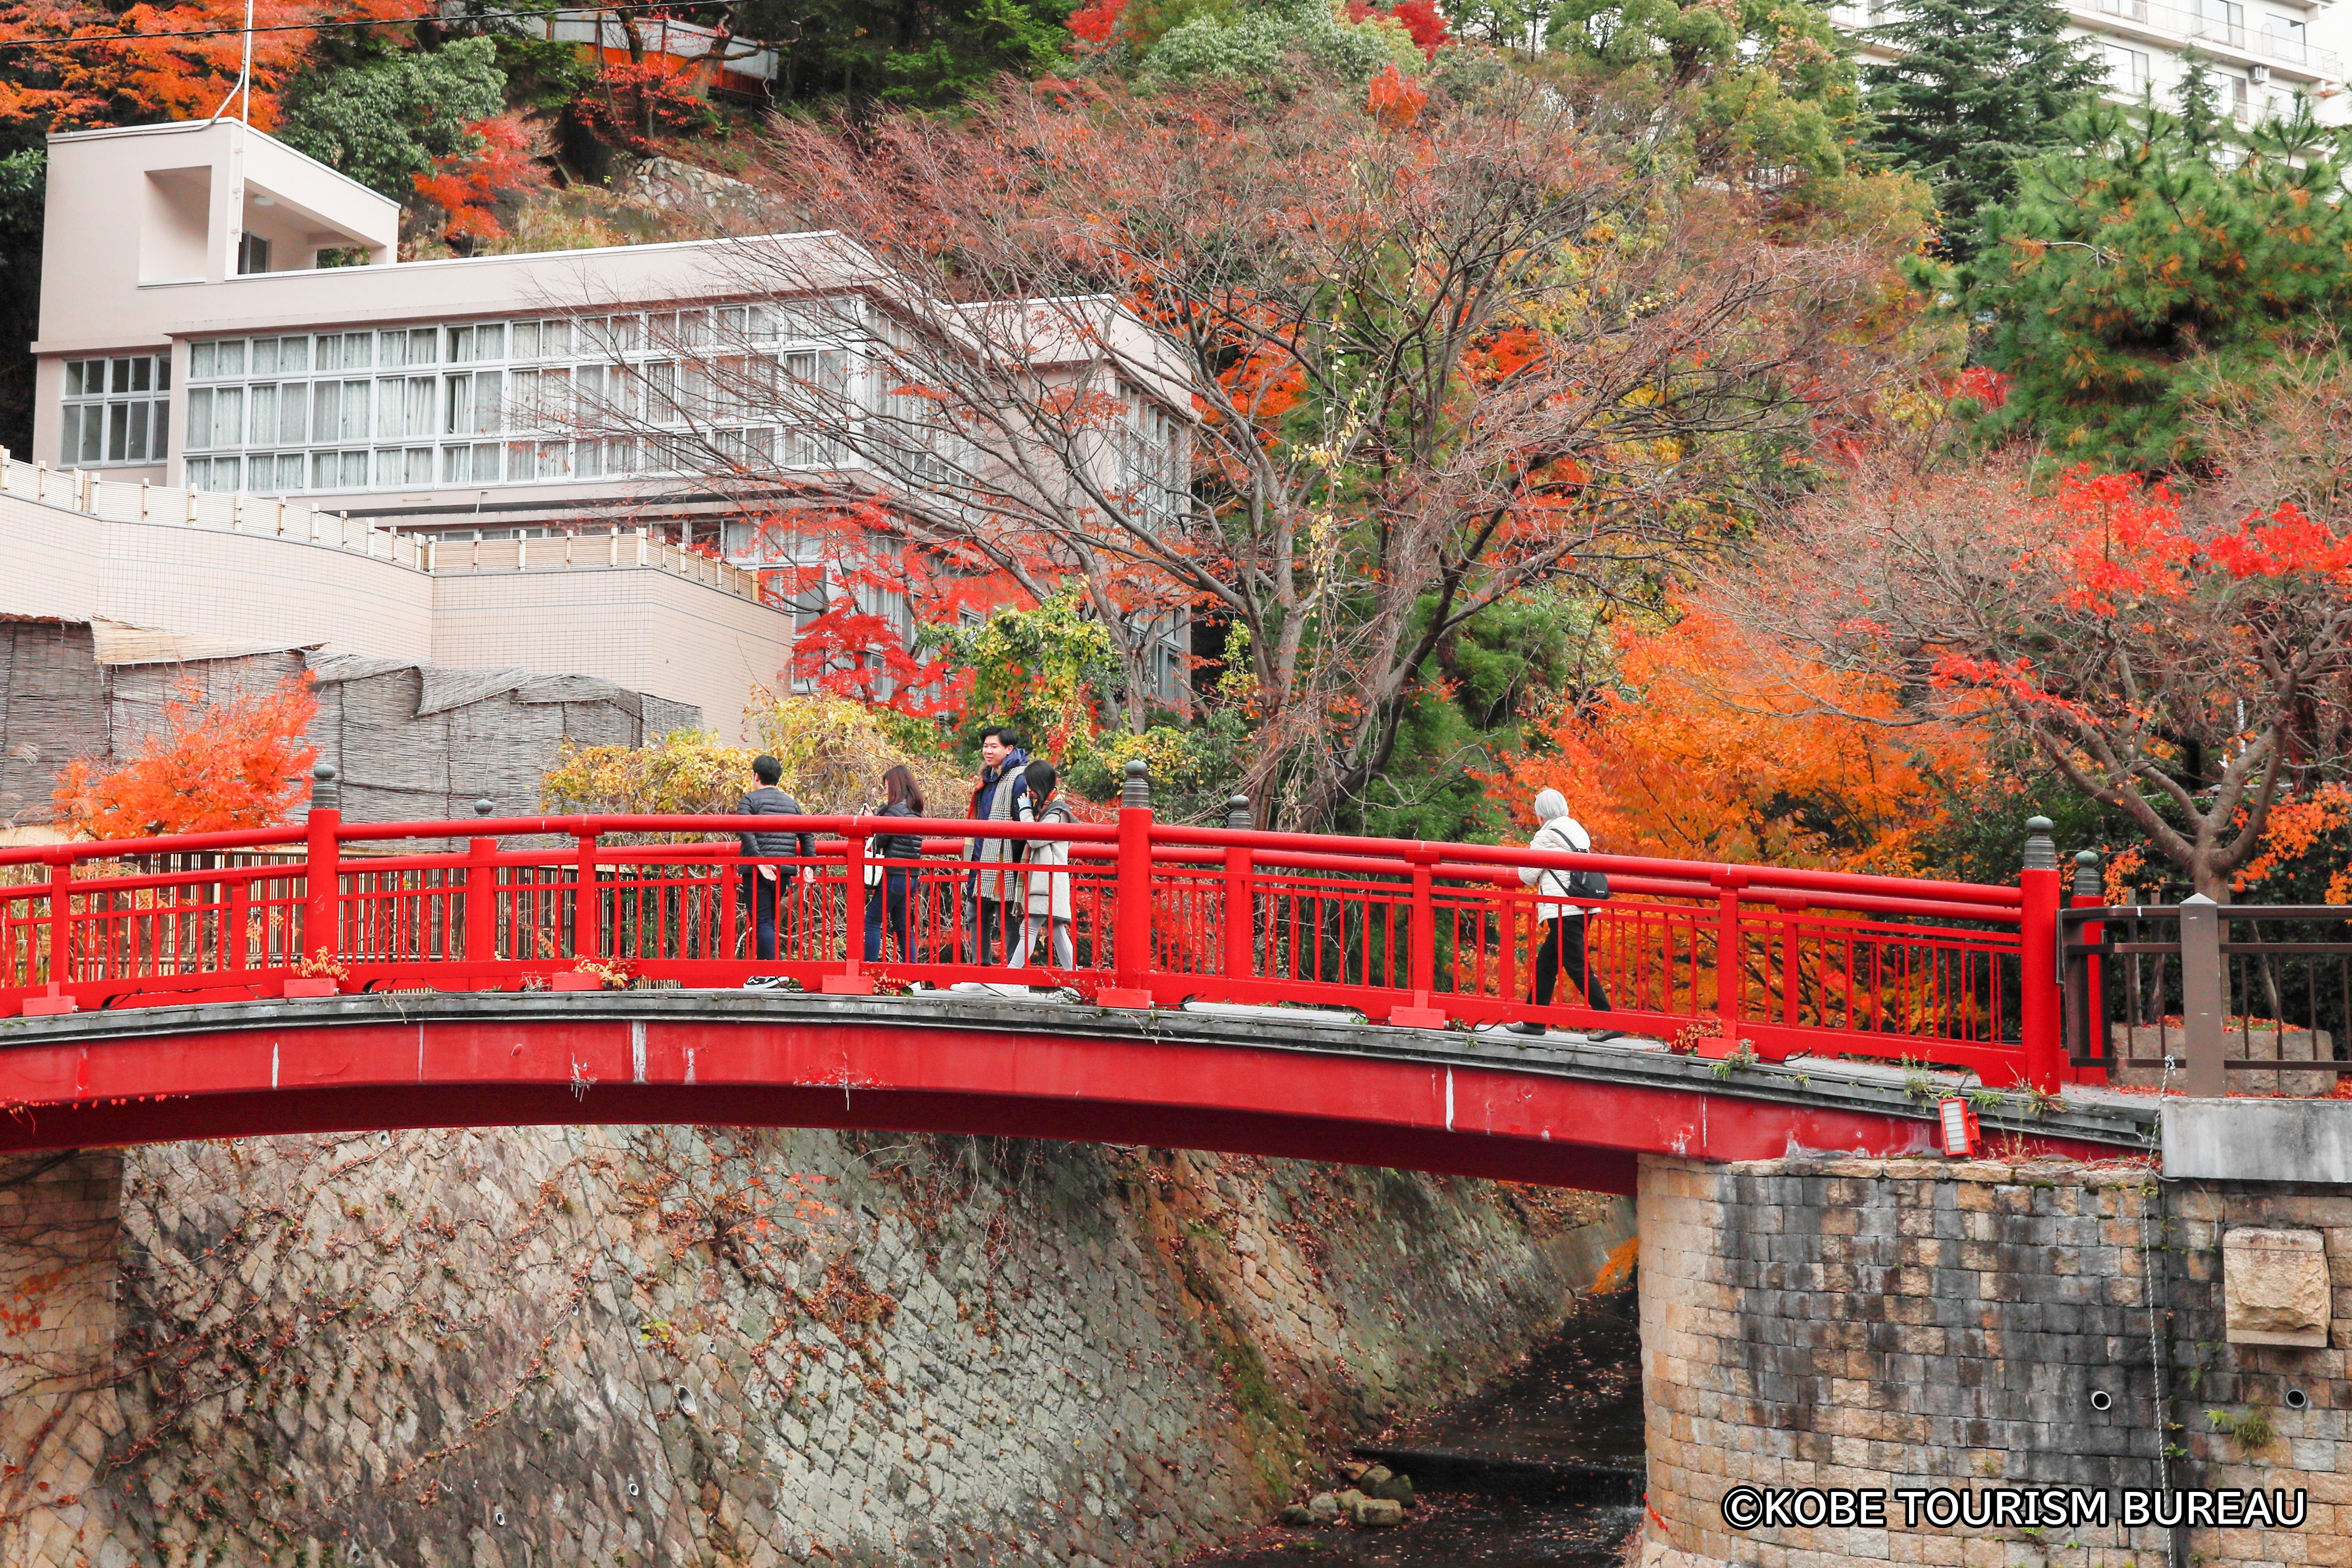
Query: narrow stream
[1542, 1471]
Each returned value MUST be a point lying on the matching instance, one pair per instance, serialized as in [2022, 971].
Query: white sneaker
[764, 983]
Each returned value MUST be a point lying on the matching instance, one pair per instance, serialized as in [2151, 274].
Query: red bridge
[305, 979]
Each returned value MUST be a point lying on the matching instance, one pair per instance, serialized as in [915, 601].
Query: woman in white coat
[1048, 906]
[1559, 931]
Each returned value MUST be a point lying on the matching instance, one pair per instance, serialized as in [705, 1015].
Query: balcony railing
[2189, 26]
[275, 517]
[2221, 30]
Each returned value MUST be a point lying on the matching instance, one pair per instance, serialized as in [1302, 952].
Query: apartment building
[221, 312]
[2262, 53]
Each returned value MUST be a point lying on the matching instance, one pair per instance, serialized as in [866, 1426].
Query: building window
[252, 254]
[116, 410]
[2128, 69]
[489, 402]
[2224, 21]
[2283, 39]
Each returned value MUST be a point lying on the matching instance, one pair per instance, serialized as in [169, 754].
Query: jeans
[760, 893]
[1065, 954]
[890, 893]
[1563, 948]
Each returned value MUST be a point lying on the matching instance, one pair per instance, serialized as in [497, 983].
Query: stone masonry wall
[2220, 1384]
[1909, 1323]
[539, 1347]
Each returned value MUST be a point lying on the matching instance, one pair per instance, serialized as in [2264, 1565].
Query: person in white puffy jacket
[1049, 908]
[1559, 931]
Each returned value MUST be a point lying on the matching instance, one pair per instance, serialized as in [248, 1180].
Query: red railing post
[53, 999]
[587, 902]
[234, 951]
[1241, 898]
[853, 980]
[1730, 960]
[481, 912]
[1421, 948]
[321, 869]
[2089, 1005]
[1507, 966]
[60, 921]
[2037, 937]
[1793, 975]
[1241, 915]
[1131, 939]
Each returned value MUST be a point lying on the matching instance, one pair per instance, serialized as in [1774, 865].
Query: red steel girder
[200, 1080]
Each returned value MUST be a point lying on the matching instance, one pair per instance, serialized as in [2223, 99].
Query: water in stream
[1538, 1472]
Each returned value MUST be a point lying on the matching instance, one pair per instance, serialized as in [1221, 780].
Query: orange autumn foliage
[61, 78]
[2300, 828]
[1395, 99]
[1715, 750]
[213, 765]
[468, 187]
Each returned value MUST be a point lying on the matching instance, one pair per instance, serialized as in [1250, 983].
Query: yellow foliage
[834, 753]
[687, 772]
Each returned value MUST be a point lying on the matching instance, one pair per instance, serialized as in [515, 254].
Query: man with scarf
[996, 889]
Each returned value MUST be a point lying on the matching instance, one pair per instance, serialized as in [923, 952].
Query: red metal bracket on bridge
[1418, 1014]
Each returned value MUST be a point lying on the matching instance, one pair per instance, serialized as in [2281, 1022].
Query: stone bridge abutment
[2070, 1329]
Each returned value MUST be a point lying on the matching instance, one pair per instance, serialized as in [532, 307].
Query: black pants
[1562, 947]
[996, 932]
[760, 895]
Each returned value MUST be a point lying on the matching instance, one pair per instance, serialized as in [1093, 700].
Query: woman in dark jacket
[888, 882]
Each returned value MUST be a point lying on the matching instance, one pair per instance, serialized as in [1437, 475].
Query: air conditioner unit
[2257, 74]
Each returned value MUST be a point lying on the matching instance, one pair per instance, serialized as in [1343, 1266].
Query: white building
[221, 312]
[2260, 54]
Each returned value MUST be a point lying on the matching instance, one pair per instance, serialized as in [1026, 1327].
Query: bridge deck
[1290, 1082]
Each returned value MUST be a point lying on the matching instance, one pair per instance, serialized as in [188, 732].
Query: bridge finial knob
[1137, 791]
[326, 794]
[484, 806]
[2040, 849]
[2088, 881]
[1238, 815]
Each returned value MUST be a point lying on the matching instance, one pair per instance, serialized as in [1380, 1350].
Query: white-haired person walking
[1561, 921]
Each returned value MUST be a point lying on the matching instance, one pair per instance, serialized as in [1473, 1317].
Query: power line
[330, 27]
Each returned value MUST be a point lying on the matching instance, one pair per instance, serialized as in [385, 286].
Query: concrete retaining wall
[509, 1348]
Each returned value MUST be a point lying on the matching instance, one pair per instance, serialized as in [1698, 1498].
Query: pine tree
[1978, 88]
[2154, 267]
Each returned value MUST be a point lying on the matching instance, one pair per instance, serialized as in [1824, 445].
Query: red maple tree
[239, 762]
[1421, 18]
[1395, 421]
[469, 186]
[2189, 672]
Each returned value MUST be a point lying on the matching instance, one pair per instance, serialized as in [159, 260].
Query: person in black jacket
[763, 882]
[995, 892]
[887, 885]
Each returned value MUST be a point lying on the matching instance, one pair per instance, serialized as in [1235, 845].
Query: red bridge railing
[1705, 956]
